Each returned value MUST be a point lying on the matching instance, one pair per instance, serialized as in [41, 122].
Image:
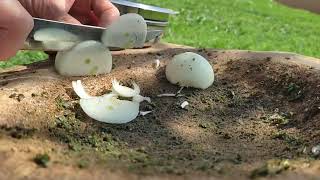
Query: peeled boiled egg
[129, 31]
[86, 58]
[190, 70]
[107, 108]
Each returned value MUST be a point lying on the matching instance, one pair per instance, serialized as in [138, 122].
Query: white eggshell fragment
[78, 88]
[125, 91]
[156, 64]
[129, 31]
[184, 104]
[144, 113]
[139, 98]
[190, 70]
[54, 34]
[86, 58]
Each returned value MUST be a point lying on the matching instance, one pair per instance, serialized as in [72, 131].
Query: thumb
[15, 25]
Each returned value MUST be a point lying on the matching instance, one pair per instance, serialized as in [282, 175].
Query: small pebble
[316, 150]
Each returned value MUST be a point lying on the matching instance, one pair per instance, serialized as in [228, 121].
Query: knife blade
[85, 32]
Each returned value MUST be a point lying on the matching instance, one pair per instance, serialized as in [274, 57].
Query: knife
[85, 32]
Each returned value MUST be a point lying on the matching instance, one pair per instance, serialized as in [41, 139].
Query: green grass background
[24, 57]
[231, 24]
[242, 24]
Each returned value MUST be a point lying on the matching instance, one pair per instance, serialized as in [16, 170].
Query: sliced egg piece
[57, 45]
[86, 58]
[108, 108]
[55, 34]
[129, 31]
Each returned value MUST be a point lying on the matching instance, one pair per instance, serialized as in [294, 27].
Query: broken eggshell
[190, 70]
[184, 104]
[107, 108]
[129, 31]
[80, 91]
[125, 91]
[86, 58]
[156, 64]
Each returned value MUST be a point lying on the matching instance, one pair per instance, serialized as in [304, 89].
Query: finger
[105, 11]
[15, 25]
[94, 20]
[87, 18]
[68, 19]
[81, 10]
[47, 9]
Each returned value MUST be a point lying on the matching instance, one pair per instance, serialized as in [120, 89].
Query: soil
[260, 119]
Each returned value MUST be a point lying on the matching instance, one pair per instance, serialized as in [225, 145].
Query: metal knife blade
[85, 32]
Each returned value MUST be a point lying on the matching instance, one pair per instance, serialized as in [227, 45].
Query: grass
[231, 24]
[24, 57]
[242, 24]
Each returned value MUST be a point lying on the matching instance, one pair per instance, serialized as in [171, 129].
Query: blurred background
[262, 25]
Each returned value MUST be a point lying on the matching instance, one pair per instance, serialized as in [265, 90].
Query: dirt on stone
[260, 119]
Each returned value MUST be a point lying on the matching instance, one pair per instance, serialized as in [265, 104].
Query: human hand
[90, 12]
[15, 25]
